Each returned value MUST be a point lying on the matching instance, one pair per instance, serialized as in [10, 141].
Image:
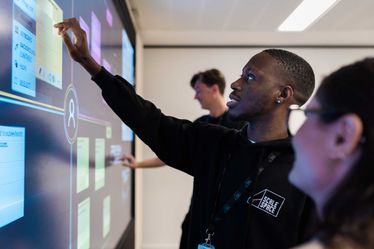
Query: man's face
[255, 92]
[204, 94]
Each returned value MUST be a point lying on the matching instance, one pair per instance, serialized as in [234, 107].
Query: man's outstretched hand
[129, 161]
[78, 49]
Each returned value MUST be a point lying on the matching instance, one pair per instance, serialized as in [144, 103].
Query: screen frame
[127, 240]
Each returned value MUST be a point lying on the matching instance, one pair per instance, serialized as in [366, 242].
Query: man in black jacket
[209, 87]
[241, 195]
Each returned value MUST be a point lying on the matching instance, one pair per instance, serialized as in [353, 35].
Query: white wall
[165, 192]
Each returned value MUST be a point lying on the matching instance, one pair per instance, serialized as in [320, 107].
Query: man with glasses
[241, 195]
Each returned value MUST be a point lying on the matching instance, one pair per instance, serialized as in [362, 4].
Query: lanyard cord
[233, 199]
[214, 217]
[217, 217]
[270, 158]
[210, 229]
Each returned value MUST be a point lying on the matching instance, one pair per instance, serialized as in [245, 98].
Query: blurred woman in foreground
[334, 162]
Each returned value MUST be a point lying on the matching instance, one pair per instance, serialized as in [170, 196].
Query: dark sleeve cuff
[100, 77]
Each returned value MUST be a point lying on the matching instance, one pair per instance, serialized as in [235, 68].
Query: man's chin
[235, 116]
[203, 107]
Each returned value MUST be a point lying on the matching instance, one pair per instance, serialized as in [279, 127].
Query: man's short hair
[210, 77]
[296, 71]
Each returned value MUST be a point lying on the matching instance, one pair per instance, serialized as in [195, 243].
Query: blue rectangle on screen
[12, 174]
[23, 47]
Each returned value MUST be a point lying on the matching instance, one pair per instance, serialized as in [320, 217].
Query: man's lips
[234, 100]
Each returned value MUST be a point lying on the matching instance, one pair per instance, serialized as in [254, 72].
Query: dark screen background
[51, 207]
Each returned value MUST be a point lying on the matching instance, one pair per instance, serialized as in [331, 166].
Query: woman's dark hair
[350, 210]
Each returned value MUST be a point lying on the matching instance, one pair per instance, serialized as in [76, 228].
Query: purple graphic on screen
[109, 17]
[86, 28]
[95, 37]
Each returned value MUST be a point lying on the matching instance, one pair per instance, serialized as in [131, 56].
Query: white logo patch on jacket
[267, 201]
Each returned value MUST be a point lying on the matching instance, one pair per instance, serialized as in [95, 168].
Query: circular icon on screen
[71, 114]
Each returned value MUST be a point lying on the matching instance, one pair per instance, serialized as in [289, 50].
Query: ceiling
[248, 22]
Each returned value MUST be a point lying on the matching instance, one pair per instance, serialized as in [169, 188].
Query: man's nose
[235, 85]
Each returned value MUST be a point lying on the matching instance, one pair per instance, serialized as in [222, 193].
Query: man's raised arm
[170, 138]
[118, 93]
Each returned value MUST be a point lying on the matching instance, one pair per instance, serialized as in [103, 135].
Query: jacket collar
[283, 144]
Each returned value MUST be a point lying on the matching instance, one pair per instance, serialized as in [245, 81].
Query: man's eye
[250, 76]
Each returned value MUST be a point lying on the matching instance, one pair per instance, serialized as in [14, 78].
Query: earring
[278, 101]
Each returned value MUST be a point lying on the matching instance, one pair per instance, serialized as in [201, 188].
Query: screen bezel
[127, 240]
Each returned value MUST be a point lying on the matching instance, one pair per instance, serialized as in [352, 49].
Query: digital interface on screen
[61, 180]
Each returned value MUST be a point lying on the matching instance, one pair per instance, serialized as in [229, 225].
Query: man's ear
[215, 88]
[285, 93]
[347, 133]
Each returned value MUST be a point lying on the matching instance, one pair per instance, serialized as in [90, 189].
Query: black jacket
[223, 120]
[269, 214]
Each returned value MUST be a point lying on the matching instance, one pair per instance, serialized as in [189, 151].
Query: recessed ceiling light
[306, 13]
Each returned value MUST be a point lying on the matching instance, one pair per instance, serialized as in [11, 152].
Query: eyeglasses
[298, 115]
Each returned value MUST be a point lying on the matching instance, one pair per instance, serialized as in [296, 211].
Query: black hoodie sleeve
[177, 142]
